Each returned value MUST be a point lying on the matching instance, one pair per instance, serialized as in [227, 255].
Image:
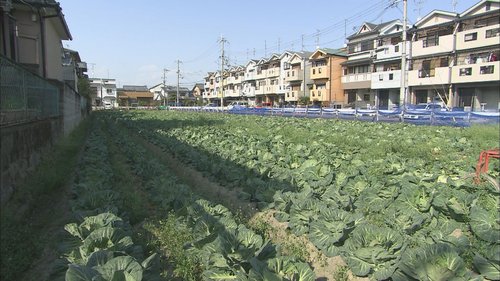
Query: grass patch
[26, 219]
[170, 236]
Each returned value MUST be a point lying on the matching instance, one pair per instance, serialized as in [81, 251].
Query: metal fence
[418, 117]
[25, 96]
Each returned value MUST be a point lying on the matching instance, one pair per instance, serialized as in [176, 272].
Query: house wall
[53, 51]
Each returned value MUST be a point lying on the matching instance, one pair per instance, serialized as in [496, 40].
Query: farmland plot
[197, 239]
[395, 201]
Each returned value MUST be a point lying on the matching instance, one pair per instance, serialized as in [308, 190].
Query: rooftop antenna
[419, 4]
[454, 4]
[317, 38]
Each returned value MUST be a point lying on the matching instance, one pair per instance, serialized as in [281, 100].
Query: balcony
[386, 79]
[232, 93]
[294, 75]
[478, 37]
[250, 76]
[293, 95]
[437, 76]
[319, 94]
[320, 72]
[479, 72]
[259, 91]
[390, 51]
[432, 46]
[357, 81]
[273, 72]
[260, 74]
[271, 89]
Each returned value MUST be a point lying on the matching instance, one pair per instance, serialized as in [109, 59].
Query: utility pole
[222, 41]
[403, 99]
[165, 93]
[302, 43]
[178, 77]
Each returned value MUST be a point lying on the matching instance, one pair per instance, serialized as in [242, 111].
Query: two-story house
[104, 91]
[326, 73]
[73, 68]
[31, 33]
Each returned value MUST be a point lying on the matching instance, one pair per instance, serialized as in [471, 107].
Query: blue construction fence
[420, 117]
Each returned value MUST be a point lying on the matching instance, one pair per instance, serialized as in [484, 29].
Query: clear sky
[133, 41]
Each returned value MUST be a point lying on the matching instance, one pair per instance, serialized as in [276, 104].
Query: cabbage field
[164, 195]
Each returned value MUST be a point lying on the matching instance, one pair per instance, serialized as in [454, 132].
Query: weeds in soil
[171, 235]
[341, 274]
[25, 220]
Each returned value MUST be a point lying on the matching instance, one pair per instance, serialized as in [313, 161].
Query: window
[443, 62]
[466, 71]
[488, 69]
[319, 70]
[430, 40]
[391, 76]
[366, 97]
[109, 91]
[380, 42]
[351, 69]
[470, 36]
[488, 6]
[380, 77]
[314, 71]
[396, 48]
[493, 32]
[367, 45]
[363, 68]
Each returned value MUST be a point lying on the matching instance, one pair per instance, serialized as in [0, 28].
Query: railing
[25, 96]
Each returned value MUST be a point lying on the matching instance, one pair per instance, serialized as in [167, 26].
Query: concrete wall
[71, 109]
[21, 148]
[23, 144]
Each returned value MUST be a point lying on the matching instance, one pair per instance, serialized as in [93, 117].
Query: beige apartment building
[326, 73]
[455, 58]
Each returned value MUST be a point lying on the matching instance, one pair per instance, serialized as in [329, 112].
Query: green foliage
[380, 195]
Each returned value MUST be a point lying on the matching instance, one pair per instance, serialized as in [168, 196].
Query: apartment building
[476, 73]
[209, 87]
[357, 70]
[386, 76]
[454, 58]
[233, 84]
[326, 73]
[249, 82]
[432, 47]
[267, 91]
[295, 76]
